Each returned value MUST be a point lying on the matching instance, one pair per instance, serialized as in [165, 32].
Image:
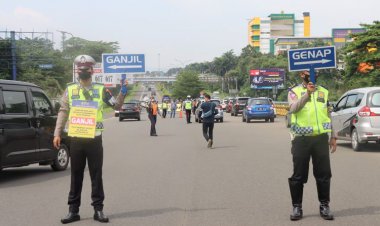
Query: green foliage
[187, 84]
[31, 53]
[364, 49]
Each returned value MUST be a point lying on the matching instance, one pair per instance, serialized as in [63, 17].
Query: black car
[238, 105]
[130, 110]
[27, 122]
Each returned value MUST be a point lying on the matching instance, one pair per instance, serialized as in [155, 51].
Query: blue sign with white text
[123, 63]
[312, 58]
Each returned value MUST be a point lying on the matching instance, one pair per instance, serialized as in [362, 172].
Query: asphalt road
[174, 180]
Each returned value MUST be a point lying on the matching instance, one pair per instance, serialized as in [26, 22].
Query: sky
[174, 33]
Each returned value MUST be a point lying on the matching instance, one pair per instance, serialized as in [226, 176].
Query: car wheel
[356, 145]
[138, 119]
[248, 120]
[62, 160]
[243, 119]
[267, 119]
[120, 119]
[221, 120]
[232, 114]
[271, 119]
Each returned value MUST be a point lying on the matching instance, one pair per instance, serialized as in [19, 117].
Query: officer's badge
[75, 94]
[95, 93]
[321, 97]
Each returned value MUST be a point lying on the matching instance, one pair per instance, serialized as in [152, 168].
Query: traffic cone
[180, 114]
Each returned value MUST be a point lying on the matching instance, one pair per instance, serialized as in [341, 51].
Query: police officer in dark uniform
[310, 127]
[86, 148]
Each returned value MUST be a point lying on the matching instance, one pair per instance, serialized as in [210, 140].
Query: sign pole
[312, 74]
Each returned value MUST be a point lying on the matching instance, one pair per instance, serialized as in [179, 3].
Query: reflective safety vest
[74, 92]
[313, 119]
[164, 105]
[188, 105]
[154, 109]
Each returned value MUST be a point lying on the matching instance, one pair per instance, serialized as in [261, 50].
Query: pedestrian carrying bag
[207, 114]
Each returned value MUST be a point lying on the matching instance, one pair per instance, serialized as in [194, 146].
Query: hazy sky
[177, 32]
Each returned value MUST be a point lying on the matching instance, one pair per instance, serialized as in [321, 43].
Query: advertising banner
[267, 78]
[82, 121]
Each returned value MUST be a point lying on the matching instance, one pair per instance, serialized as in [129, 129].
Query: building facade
[262, 32]
[341, 36]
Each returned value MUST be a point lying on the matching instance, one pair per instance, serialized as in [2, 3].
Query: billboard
[342, 35]
[267, 78]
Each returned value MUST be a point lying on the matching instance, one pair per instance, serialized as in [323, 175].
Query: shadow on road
[369, 210]
[153, 212]
[224, 147]
[14, 177]
[370, 147]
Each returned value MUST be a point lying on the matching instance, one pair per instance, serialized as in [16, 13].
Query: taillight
[366, 112]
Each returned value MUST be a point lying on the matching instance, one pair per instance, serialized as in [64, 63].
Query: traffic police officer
[310, 126]
[188, 105]
[86, 148]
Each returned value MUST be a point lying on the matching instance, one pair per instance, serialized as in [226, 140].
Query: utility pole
[13, 52]
[64, 38]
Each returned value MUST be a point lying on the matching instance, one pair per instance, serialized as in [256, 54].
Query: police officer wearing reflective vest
[89, 146]
[310, 129]
[188, 106]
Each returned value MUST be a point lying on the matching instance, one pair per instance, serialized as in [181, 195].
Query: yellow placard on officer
[82, 121]
[178, 107]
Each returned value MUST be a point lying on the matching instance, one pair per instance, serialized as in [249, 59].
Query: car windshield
[242, 101]
[259, 102]
[128, 105]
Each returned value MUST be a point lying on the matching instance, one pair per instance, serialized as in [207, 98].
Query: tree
[77, 46]
[187, 83]
[363, 57]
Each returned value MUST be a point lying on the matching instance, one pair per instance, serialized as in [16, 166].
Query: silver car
[218, 117]
[356, 116]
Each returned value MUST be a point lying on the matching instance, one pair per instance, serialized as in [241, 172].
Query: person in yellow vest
[187, 105]
[164, 109]
[153, 111]
[85, 134]
[310, 129]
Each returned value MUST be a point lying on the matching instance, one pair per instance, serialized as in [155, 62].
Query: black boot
[297, 213]
[99, 216]
[71, 217]
[324, 211]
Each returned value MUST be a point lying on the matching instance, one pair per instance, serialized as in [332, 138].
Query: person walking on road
[310, 129]
[188, 106]
[164, 109]
[153, 111]
[208, 112]
[173, 108]
[86, 139]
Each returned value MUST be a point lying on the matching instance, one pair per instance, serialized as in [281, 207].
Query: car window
[341, 104]
[259, 102]
[15, 102]
[351, 101]
[359, 99]
[217, 102]
[375, 102]
[41, 103]
[242, 101]
[129, 105]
